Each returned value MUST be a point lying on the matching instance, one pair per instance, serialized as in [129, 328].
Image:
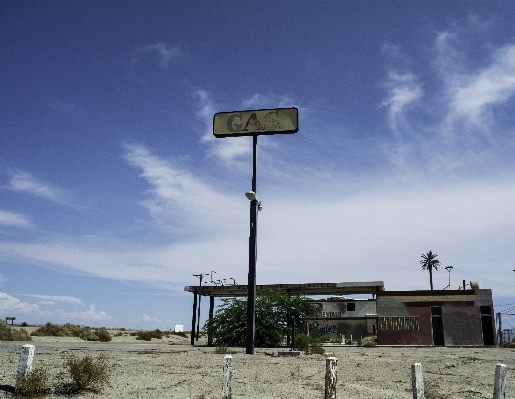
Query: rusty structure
[406, 318]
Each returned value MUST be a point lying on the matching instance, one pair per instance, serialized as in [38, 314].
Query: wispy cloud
[68, 299]
[25, 182]
[458, 124]
[403, 91]
[14, 219]
[2, 279]
[472, 96]
[163, 51]
[179, 199]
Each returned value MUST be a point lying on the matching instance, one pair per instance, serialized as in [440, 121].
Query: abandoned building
[421, 318]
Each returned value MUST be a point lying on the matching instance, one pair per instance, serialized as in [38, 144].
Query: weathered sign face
[249, 123]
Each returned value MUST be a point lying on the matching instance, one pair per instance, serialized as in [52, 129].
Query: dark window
[351, 307]
[436, 311]
[485, 309]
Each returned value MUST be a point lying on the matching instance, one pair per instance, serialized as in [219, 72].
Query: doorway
[437, 324]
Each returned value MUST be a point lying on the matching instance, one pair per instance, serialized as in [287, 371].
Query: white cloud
[164, 52]
[24, 182]
[404, 90]
[93, 314]
[177, 198]
[472, 95]
[12, 305]
[68, 299]
[14, 219]
[48, 303]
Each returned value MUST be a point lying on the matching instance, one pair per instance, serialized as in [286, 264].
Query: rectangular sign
[262, 121]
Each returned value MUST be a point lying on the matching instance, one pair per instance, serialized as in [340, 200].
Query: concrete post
[500, 381]
[25, 364]
[331, 368]
[417, 381]
[227, 375]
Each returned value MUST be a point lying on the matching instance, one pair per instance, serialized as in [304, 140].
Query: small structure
[179, 328]
[344, 288]
[11, 319]
[436, 318]
[341, 318]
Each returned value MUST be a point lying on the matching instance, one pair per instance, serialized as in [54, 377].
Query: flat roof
[367, 287]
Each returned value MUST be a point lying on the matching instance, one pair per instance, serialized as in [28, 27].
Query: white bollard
[25, 364]
[417, 381]
[227, 373]
[500, 381]
[331, 368]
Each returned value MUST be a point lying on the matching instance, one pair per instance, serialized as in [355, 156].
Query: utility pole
[200, 277]
[499, 334]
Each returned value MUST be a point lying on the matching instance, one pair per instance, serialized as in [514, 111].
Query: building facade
[343, 318]
[436, 318]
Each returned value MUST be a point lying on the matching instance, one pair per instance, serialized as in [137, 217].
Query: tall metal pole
[251, 299]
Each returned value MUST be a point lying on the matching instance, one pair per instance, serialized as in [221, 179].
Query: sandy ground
[171, 368]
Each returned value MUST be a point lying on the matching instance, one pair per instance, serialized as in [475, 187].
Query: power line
[478, 278]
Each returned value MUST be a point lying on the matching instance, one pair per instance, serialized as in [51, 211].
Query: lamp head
[251, 195]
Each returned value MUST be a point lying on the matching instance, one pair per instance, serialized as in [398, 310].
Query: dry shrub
[369, 341]
[309, 344]
[48, 330]
[103, 335]
[34, 385]
[88, 373]
[10, 334]
[509, 345]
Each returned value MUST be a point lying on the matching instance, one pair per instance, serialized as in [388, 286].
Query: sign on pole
[250, 123]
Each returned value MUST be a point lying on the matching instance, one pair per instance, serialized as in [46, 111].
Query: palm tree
[429, 262]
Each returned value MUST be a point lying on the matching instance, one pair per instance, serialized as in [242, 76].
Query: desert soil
[171, 368]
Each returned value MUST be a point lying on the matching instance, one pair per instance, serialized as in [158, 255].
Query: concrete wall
[460, 316]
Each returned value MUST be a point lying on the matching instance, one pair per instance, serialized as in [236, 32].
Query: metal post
[331, 368]
[417, 381]
[198, 316]
[500, 381]
[194, 318]
[251, 298]
[293, 333]
[499, 334]
[211, 307]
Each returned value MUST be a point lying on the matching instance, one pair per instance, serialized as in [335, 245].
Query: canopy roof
[367, 287]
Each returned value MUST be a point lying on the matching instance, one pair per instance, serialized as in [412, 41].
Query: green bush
[10, 334]
[181, 334]
[34, 385]
[309, 344]
[273, 322]
[88, 373]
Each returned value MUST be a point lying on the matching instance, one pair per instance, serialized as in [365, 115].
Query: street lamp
[448, 268]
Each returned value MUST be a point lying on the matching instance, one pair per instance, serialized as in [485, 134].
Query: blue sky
[114, 191]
